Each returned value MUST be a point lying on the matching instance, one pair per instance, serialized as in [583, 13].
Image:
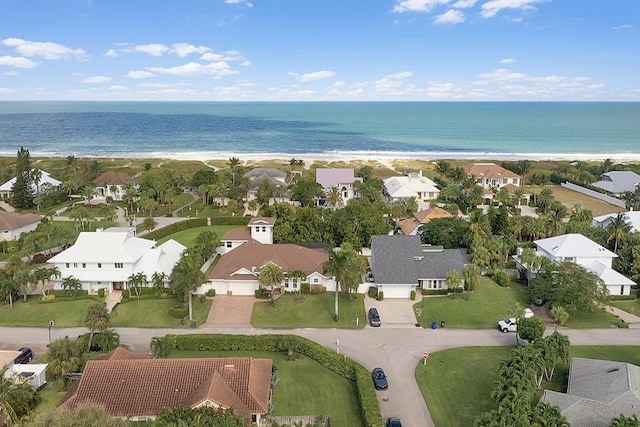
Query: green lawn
[305, 388]
[456, 383]
[198, 209]
[592, 319]
[154, 313]
[187, 237]
[632, 307]
[313, 311]
[33, 313]
[485, 306]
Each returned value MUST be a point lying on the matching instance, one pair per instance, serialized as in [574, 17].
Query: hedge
[68, 293]
[337, 363]
[193, 223]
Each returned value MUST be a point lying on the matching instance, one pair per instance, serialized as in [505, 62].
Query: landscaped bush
[101, 292]
[229, 220]
[178, 311]
[203, 298]
[337, 363]
[435, 292]
[380, 296]
[211, 293]
[126, 294]
[68, 293]
[501, 278]
[413, 295]
[317, 290]
[373, 292]
[262, 294]
[175, 227]
[305, 288]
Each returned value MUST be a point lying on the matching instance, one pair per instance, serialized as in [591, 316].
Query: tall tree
[15, 400]
[618, 231]
[271, 275]
[71, 284]
[234, 165]
[22, 191]
[471, 275]
[186, 276]
[336, 268]
[96, 320]
[453, 281]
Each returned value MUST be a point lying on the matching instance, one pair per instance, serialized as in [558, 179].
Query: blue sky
[317, 50]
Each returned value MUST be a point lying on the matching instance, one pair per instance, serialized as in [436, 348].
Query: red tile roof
[253, 255]
[243, 233]
[141, 387]
[121, 353]
[423, 217]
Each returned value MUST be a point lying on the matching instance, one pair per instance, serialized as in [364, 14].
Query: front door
[118, 286]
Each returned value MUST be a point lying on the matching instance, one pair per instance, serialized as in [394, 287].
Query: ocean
[430, 130]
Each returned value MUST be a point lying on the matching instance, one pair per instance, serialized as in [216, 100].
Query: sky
[320, 50]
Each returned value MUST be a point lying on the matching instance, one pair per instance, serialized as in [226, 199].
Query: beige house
[410, 226]
[13, 224]
[490, 175]
[112, 184]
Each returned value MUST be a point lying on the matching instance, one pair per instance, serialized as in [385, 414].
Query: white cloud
[153, 49]
[97, 79]
[46, 50]
[502, 74]
[245, 63]
[210, 56]
[316, 75]
[451, 16]
[492, 7]
[139, 74]
[184, 49]
[111, 53]
[395, 84]
[242, 2]
[623, 27]
[118, 88]
[507, 61]
[463, 4]
[216, 69]
[417, 5]
[17, 61]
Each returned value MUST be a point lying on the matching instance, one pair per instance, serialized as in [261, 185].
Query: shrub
[101, 292]
[68, 293]
[175, 227]
[316, 290]
[211, 293]
[373, 292]
[126, 294]
[435, 292]
[178, 311]
[305, 288]
[380, 296]
[501, 278]
[262, 294]
[202, 298]
[413, 295]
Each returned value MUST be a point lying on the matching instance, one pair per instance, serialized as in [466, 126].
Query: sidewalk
[631, 319]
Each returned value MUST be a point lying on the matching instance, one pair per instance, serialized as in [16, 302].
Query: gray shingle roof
[618, 181]
[403, 259]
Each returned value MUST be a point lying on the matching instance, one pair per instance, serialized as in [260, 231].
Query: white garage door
[396, 291]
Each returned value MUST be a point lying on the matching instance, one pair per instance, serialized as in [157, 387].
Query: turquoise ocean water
[322, 129]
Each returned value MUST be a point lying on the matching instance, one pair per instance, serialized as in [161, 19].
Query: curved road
[396, 350]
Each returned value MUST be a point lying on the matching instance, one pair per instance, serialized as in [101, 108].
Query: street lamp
[51, 323]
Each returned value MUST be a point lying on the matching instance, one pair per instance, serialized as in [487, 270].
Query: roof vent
[418, 258]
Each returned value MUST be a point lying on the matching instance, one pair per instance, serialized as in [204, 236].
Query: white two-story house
[342, 178]
[106, 259]
[587, 253]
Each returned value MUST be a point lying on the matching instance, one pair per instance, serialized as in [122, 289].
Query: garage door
[397, 291]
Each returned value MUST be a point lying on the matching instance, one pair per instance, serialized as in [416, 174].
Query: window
[84, 265]
[99, 265]
[295, 286]
[315, 280]
[75, 265]
[229, 244]
[67, 265]
[119, 265]
[505, 181]
[264, 229]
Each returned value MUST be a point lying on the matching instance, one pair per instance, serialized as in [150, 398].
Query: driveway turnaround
[396, 350]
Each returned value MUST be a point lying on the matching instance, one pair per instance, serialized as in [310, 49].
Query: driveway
[230, 312]
[394, 312]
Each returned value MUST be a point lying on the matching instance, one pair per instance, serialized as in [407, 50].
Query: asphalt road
[397, 351]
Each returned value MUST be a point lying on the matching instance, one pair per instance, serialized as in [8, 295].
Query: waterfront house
[113, 184]
[13, 224]
[343, 179]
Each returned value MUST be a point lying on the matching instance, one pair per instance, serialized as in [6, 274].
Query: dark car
[25, 356]
[374, 317]
[394, 422]
[379, 379]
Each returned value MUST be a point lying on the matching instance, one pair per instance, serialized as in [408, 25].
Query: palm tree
[8, 287]
[471, 275]
[64, 357]
[336, 268]
[356, 267]
[545, 199]
[137, 281]
[453, 281]
[115, 190]
[479, 224]
[158, 280]
[36, 174]
[97, 320]
[334, 197]
[530, 260]
[186, 276]
[107, 340]
[69, 186]
[618, 230]
[270, 275]
[15, 400]
[71, 284]
[234, 164]
[205, 244]
[88, 192]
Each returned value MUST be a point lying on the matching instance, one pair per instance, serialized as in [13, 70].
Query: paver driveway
[394, 313]
[230, 312]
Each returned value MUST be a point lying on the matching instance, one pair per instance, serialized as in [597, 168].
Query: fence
[304, 420]
[594, 194]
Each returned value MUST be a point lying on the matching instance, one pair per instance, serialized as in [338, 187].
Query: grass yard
[632, 307]
[34, 313]
[465, 376]
[305, 387]
[154, 313]
[592, 319]
[571, 198]
[486, 305]
[314, 311]
[187, 237]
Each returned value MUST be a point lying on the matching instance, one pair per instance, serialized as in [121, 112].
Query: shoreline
[347, 156]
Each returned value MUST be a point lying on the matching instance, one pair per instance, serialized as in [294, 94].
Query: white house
[632, 218]
[46, 181]
[106, 259]
[244, 252]
[34, 374]
[342, 178]
[112, 184]
[276, 177]
[490, 175]
[401, 264]
[13, 224]
[399, 188]
[587, 253]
